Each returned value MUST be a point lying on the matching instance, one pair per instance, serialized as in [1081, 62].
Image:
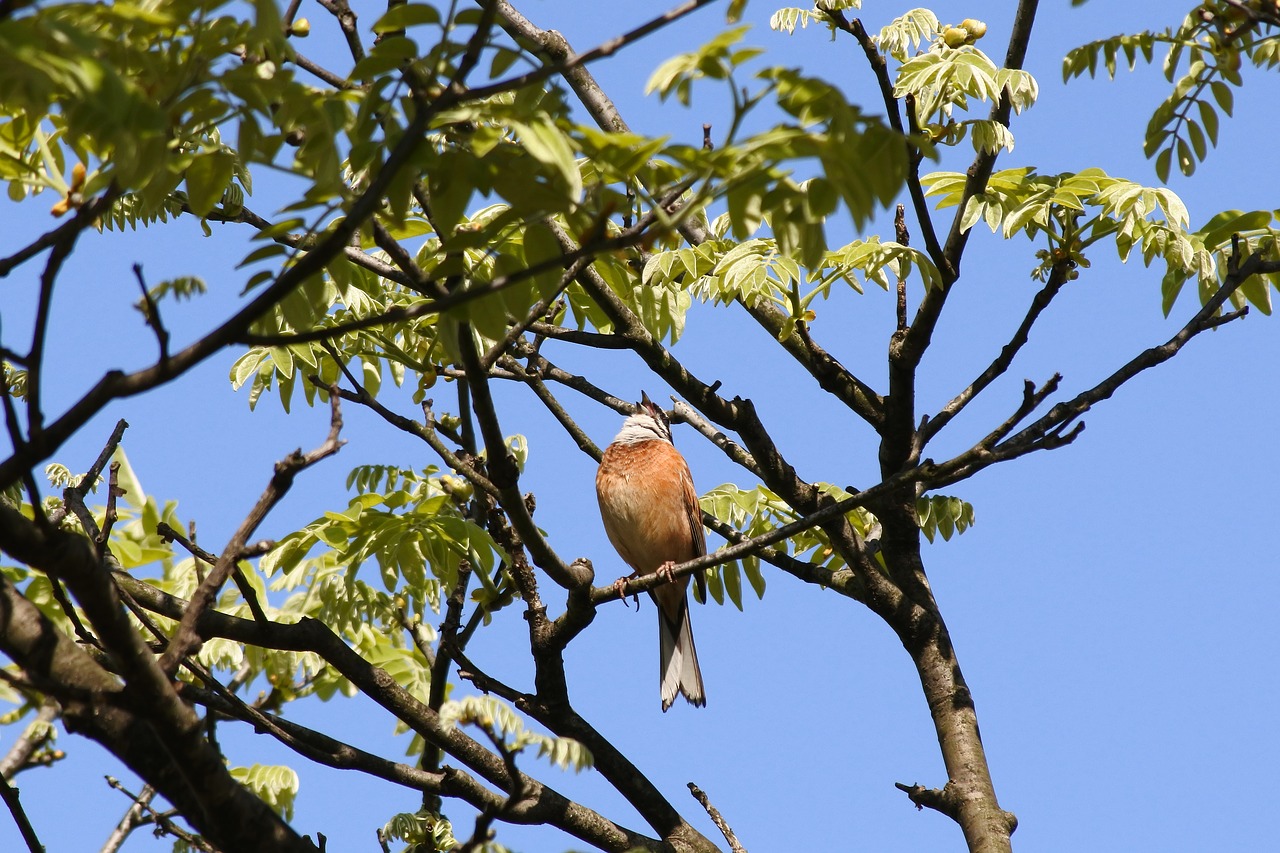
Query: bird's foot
[665, 571]
[620, 585]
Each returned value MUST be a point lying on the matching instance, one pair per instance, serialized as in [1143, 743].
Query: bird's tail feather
[679, 660]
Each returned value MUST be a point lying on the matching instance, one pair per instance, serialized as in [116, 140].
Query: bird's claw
[666, 571]
[620, 585]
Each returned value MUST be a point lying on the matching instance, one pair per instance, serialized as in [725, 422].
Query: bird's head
[649, 423]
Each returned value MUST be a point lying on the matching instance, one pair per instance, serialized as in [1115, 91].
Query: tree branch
[310, 635]
[504, 474]
[155, 735]
[563, 60]
[185, 638]
[116, 384]
[881, 71]
[979, 173]
[717, 819]
[9, 794]
[1057, 278]
[34, 737]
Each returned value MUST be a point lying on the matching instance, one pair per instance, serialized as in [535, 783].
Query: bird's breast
[642, 494]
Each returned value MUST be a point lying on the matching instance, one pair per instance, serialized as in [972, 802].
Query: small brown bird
[651, 513]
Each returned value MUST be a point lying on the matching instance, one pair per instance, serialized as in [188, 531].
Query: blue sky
[1112, 608]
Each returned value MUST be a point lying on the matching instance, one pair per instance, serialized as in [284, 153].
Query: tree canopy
[441, 248]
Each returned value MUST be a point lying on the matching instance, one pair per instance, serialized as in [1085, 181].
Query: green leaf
[403, 16]
[733, 583]
[1218, 230]
[1162, 164]
[207, 179]
[1186, 162]
[1223, 95]
[277, 786]
[751, 567]
[715, 587]
[1209, 118]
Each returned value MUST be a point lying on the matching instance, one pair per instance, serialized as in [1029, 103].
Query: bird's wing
[698, 536]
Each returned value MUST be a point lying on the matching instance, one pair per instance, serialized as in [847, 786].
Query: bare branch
[540, 367]
[134, 817]
[337, 81]
[247, 592]
[979, 173]
[904, 238]
[142, 721]
[1057, 278]
[164, 825]
[565, 62]
[881, 70]
[1051, 430]
[938, 800]
[832, 376]
[310, 635]
[347, 21]
[9, 794]
[185, 639]
[717, 819]
[60, 251]
[33, 738]
[536, 312]
[85, 216]
[152, 314]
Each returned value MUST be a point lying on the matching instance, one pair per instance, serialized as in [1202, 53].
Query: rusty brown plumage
[651, 515]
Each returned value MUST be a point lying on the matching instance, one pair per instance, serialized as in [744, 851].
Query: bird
[651, 515]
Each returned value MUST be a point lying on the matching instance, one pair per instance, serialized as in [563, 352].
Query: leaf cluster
[1073, 211]
[1214, 40]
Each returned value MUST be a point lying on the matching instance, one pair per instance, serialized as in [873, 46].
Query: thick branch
[310, 635]
[168, 753]
[504, 474]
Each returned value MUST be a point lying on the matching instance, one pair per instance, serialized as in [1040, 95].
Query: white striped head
[649, 423]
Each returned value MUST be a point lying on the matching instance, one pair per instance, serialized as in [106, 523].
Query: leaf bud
[977, 29]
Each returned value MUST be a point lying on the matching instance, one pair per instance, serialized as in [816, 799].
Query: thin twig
[86, 216]
[347, 21]
[536, 312]
[9, 794]
[186, 638]
[717, 819]
[571, 62]
[152, 314]
[250, 595]
[904, 238]
[110, 515]
[37, 733]
[164, 825]
[1057, 279]
[135, 816]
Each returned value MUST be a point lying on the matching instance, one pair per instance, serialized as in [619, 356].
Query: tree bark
[969, 795]
[170, 755]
